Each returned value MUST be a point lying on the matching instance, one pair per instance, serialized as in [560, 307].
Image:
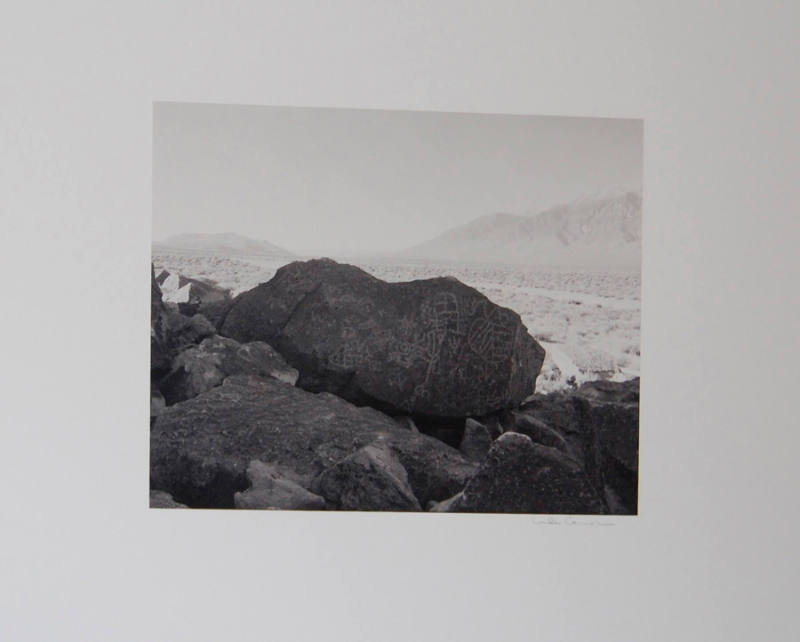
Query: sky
[352, 181]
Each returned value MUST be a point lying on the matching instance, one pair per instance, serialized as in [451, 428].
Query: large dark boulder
[519, 476]
[202, 367]
[200, 448]
[432, 347]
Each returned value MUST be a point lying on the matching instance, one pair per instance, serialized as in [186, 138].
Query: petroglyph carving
[350, 355]
[429, 346]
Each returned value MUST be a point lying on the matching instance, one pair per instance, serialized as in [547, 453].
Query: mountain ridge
[600, 231]
[222, 243]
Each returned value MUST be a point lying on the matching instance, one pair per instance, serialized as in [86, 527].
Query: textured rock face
[157, 403]
[433, 347]
[476, 441]
[540, 432]
[370, 479]
[597, 426]
[198, 369]
[214, 311]
[270, 489]
[171, 332]
[160, 351]
[519, 476]
[200, 448]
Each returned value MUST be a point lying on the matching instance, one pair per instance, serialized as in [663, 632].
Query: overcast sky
[341, 180]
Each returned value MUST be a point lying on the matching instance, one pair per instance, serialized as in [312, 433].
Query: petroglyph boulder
[433, 347]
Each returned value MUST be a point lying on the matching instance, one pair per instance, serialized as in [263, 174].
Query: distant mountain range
[602, 231]
[220, 244]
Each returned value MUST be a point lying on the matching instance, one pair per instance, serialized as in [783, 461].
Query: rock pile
[328, 389]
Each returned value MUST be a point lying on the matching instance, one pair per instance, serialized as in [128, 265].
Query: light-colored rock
[160, 499]
[271, 489]
[371, 478]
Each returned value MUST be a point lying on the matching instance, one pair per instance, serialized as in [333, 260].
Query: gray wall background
[712, 555]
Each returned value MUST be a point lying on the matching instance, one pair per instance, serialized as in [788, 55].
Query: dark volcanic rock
[157, 402]
[371, 478]
[214, 311]
[186, 331]
[539, 432]
[435, 470]
[200, 368]
[476, 441]
[171, 332]
[160, 350]
[615, 430]
[600, 425]
[432, 347]
[271, 489]
[200, 448]
[519, 476]
[615, 391]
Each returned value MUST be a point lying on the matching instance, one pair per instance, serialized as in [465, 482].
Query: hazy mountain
[602, 231]
[220, 244]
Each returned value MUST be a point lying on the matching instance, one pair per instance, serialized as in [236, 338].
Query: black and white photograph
[384, 310]
[469, 320]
